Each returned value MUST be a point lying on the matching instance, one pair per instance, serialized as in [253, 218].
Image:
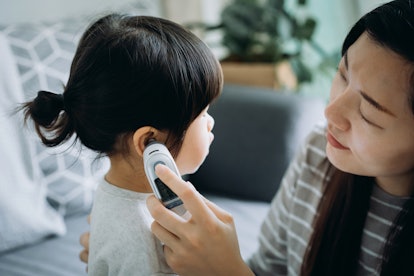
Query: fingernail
[159, 168]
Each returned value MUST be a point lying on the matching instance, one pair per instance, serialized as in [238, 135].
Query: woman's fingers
[220, 213]
[192, 200]
[161, 232]
[84, 241]
[167, 218]
[84, 256]
[203, 212]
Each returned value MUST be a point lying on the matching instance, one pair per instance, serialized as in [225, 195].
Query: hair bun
[51, 98]
[47, 107]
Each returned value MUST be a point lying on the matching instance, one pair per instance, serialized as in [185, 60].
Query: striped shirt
[287, 228]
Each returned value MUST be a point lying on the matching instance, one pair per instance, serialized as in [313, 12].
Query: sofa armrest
[257, 132]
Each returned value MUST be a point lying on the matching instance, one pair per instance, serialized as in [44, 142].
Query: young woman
[133, 79]
[346, 204]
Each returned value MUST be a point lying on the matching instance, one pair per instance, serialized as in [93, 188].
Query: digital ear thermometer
[156, 153]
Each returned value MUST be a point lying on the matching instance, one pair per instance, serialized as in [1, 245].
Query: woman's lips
[334, 143]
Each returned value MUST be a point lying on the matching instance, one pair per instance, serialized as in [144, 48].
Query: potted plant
[261, 35]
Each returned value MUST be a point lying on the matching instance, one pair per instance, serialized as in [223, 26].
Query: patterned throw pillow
[43, 53]
[42, 185]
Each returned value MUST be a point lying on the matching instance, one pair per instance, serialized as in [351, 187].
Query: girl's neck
[127, 175]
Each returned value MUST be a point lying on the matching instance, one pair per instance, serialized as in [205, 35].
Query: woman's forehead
[380, 73]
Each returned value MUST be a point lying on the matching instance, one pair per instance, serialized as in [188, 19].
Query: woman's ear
[141, 138]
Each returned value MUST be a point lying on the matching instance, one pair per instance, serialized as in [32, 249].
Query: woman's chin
[335, 160]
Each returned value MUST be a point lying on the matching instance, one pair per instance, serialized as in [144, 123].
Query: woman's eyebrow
[366, 97]
[375, 104]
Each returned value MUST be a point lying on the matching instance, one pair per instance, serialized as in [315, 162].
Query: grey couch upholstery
[258, 130]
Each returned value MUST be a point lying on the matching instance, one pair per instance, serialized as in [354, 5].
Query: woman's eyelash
[342, 75]
[364, 118]
[368, 121]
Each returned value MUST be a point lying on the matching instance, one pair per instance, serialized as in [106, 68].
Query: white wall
[16, 11]
[367, 5]
[182, 11]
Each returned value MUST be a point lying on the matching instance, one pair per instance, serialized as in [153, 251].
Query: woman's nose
[337, 112]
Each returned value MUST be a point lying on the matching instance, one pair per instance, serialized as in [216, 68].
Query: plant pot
[277, 76]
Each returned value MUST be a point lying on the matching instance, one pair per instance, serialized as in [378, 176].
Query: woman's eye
[363, 117]
[368, 121]
[342, 75]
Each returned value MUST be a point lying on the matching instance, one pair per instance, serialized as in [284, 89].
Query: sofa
[46, 194]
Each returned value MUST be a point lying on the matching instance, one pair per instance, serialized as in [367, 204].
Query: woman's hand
[84, 241]
[204, 244]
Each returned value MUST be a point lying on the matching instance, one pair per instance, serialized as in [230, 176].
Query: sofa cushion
[43, 53]
[257, 131]
[53, 256]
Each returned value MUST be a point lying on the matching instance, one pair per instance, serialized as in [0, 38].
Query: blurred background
[309, 36]
[289, 46]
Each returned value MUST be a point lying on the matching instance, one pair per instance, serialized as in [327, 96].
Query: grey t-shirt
[121, 242]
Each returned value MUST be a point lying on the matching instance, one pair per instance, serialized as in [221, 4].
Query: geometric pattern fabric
[43, 53]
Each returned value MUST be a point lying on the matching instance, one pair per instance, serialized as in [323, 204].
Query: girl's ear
[141, 138]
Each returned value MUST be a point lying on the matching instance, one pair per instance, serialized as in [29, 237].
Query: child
[133, 79]
[346, 203]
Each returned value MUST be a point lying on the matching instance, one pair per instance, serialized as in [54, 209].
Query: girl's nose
[211, 122]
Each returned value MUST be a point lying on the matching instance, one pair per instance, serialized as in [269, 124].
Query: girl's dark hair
[129, 72]
[335, 244]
